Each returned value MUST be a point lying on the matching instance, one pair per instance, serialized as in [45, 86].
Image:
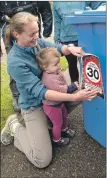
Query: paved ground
[83, 158]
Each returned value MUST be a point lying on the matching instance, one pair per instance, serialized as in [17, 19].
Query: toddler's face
[54, 65]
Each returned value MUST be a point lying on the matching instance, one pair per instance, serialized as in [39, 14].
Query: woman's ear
[15, 34]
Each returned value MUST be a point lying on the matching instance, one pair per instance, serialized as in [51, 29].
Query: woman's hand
[76, 51]
[86, 94]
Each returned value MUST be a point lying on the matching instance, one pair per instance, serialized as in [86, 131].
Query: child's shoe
[62, 142]
[69, 133]
[7, 132]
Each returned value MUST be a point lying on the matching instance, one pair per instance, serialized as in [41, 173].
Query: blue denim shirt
[64, 33]
[23, 68]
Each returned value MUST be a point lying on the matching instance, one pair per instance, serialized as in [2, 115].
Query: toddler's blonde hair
[45, 56]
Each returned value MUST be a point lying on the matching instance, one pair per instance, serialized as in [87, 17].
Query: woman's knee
[40, 159]
[46, 159]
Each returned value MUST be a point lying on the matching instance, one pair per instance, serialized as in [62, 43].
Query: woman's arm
[81, 95]
[63, 49]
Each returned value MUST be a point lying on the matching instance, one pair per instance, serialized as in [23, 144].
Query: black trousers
[72, 61]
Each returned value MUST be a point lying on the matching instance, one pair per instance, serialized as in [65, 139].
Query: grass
[6, 97]
[63, 63]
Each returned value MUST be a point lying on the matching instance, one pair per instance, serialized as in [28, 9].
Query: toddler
[53, 79]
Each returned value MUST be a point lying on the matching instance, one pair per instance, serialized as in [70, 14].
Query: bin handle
[80, 70]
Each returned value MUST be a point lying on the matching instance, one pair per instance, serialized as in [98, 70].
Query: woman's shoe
[7, 134]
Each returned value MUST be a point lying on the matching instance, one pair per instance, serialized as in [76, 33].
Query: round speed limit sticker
[92, 72]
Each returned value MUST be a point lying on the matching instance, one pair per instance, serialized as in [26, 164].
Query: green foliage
[63, 63]
[6, 97]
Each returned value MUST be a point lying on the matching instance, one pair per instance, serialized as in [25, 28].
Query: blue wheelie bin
[91, 28]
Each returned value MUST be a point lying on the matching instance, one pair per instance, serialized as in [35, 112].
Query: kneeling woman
[33, 139]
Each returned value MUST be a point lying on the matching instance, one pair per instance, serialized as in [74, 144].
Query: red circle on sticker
[92, 72]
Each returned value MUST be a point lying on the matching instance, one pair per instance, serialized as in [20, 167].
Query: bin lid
[91, 13]
[87, 16]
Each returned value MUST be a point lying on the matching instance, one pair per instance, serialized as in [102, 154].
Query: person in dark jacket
[40, 8]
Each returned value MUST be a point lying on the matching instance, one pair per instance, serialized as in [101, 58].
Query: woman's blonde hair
[17, 22]
[45, 56]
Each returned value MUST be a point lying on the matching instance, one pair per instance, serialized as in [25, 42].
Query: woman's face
[30, 35]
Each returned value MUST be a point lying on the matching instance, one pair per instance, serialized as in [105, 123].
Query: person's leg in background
[73, 70]
[33, 139]
[72, 61]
